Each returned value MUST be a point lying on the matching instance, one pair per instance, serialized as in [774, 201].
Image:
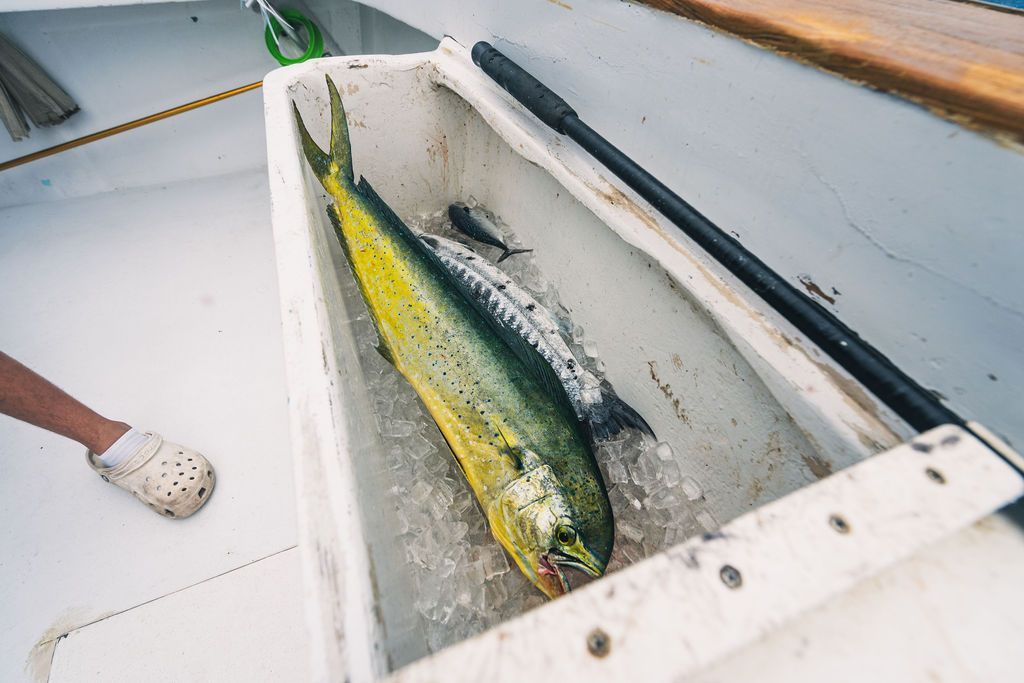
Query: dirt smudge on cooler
[818, 466]
[666, 389]
[813, 289]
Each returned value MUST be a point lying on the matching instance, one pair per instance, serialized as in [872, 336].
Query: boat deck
[180, 334]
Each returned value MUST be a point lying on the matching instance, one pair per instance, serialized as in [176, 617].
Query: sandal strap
[140, 458]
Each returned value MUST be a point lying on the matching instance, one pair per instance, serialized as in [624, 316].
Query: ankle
[109, 432]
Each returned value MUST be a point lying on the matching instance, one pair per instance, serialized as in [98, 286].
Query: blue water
[1016, 4]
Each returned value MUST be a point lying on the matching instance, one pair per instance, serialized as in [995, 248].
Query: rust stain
[353, 122]
[819, 467]
[563, 5]
[666, 389]
[352, 89]
[814, 289]
[358, 66]
[677, 361]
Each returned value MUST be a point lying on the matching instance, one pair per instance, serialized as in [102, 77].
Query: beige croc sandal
[172, 479]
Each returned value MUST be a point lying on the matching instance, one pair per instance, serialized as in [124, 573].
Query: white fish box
[759, 418]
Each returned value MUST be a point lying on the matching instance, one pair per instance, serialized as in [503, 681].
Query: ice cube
[383, 405]
[446, 487]
[691, 489]
[617, 474]
[436, 504]
[671, 474]
[495, 595]
[632, 552]
[630, 531]
[664, 452]
[424, 549]
[611, 450]
[622, 499]
[428, 591]
[446, 567]
[654, 537]
[707, 520]
[493, 559]
[397, 428]
[459, 531]
[419, 447]
[461, 502]
[675, 534]
[437, 464]
[646, 470]
[663, 498]
[420, 492]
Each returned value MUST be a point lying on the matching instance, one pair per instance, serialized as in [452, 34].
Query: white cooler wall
[914, 221]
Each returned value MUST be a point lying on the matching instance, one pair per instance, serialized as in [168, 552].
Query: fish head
[539, 528]
[476, 213]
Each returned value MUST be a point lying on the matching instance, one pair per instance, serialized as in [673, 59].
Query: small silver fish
[481, 225]
[532, 332]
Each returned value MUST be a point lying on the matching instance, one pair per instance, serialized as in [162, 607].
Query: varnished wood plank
[963, 61]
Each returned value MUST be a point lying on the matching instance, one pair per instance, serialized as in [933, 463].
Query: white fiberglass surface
[732, 446]
[158, 307]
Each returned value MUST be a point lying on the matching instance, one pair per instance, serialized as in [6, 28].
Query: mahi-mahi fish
[481, 225]
[521, 450]
[532, 332]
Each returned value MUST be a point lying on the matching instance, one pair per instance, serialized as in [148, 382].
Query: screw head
[935, 475]
[599, 643]
[731, 576]
[839, 524]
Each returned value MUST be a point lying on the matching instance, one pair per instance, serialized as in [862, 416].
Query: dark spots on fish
[501, 286]
[531, 307]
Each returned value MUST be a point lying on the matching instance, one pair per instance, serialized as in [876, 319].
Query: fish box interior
[751, 412]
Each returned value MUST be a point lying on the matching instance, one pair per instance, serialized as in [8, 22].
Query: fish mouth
[551, 577]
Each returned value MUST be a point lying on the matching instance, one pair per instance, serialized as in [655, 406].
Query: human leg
[29, 397]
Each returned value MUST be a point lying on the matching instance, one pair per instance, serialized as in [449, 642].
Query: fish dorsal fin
[390, 217]
[521, 346]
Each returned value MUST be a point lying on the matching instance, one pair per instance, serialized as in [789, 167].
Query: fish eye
[565, 534]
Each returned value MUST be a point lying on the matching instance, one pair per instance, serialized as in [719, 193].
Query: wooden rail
[961, 60]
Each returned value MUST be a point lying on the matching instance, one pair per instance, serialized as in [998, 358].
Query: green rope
[314, 49]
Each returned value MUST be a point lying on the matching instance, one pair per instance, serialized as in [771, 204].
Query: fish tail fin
[619, 415]
[337, 162]
[341, 147]
[512, 252]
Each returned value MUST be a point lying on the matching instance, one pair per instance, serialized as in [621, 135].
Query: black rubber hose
[912, 402]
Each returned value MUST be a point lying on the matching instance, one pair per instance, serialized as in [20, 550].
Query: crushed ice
[464, 582]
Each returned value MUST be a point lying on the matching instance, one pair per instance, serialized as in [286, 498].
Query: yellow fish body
[521, 451]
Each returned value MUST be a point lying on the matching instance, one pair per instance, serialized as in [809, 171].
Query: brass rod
[152, 118]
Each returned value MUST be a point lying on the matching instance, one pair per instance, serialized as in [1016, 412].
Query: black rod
[912, 402]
